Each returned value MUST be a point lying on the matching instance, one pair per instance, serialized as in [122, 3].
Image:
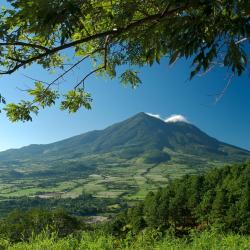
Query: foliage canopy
[219, 199]
[112, 33]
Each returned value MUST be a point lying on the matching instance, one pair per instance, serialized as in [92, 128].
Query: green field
[103, 176]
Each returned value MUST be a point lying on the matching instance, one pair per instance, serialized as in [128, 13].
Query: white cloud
[176, 118]
[171, 118]
[154, 115]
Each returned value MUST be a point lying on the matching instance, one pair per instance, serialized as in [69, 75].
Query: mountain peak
[140, 114]
[143, 115]
[176, 118]
[141, 133]
[171, 119]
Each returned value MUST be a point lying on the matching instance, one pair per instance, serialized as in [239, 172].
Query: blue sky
[165, 90]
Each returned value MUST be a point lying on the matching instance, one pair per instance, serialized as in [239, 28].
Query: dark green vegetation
[83, 205]
[146, 241]
[125, 160]
[20, 225]
[112, 34]
[219, 198]
[209, 211]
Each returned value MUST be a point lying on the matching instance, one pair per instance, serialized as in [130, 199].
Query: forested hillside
[219, 198]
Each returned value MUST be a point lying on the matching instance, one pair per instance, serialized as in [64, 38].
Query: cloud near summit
[171, 118]
[176, 118]
[154, 115]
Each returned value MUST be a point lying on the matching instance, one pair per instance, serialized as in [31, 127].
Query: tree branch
[114, 32]
[100, 68]
[31, 45]
[73, 66]
[89, 74]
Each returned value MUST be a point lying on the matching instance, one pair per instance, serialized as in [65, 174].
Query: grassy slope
[90, 241]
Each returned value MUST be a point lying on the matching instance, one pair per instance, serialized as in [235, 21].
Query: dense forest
[219, 198]
[210, 210]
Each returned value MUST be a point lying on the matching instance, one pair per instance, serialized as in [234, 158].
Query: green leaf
[21, 111]
[173, 57]
[130, 77]
[43, 95]
[75, 99]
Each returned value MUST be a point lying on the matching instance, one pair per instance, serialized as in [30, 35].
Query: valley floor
[130, 180]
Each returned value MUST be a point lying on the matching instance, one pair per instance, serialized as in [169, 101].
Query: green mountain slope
[126, 159]
[142, 133]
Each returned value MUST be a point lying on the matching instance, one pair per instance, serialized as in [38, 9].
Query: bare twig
[242, 40]
[220, 95]
[100, 68]
[73, 66]
[89, 74]
[36, 80]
